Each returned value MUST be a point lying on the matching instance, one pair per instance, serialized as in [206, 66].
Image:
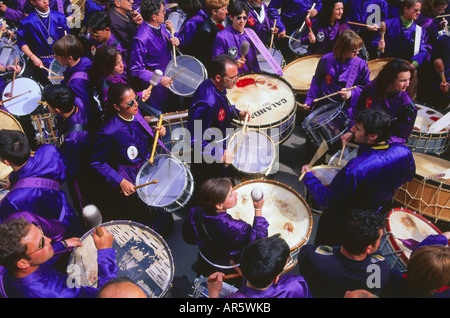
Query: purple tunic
[188, 30]
[47, 162]
[261, 22]
[332, 76]
[228, 41]
[288, 286]
[15, 11]
[326, 36]
[46, 282]
[60, 6]
[221, 237]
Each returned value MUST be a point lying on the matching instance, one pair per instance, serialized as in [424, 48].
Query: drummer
[220, 237]
[230, 40]
[124, 20]
[152, 50]
[13, 10]
[392, 90]
[119, 148]
[368, 181]
[260, 20]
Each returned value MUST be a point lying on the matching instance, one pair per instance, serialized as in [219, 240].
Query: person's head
[14, 147]
[41, 5]
[372, 126]
[433, 8]
[238, 15]
[59, 98]
[153, 11]
[108, 60]
[331, 11]
[223, 71]
[190, 7]
[428, 269]
[68, 49]
[99, 26]
[121, 287]
[23, 245]
[122, 100]
[218, 9]
[122, 6]
[362, 231]
[347, 45]
[264, 260]
[410, 9]
[217, 194]
[396, 75]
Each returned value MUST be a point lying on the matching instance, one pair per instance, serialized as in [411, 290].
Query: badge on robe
[251, 21]
[132, 152]
[221, 115]
[320, 36]
[369, 102]
[233, 51]
[328, 79]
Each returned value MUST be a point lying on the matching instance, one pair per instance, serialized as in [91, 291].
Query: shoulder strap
[417, 38]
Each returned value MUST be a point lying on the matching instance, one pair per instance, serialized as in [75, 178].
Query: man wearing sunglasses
[230, 40]
[24, 252]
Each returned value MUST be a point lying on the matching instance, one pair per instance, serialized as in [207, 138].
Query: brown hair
[216, 4]
[389, 73]
[347, 41]
[212, 192]
[69, 45]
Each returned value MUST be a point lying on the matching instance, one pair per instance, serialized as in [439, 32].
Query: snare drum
[296, 46]
[420, 140]
[188, 74]
[286, 211]
[200, 289]
[271, 102]
[403, 231]
[328, 123]
[58, 69]
[177, 17]
[299, 73]
[254, 154]
[141, 255]
[8, 55]
[265, 66]
[350, 152]
[429, 192]
[175, 184]
[26, 103]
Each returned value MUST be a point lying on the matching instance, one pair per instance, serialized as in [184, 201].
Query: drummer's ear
[372, 138]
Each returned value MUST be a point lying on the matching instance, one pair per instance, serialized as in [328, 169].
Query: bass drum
[300, 72]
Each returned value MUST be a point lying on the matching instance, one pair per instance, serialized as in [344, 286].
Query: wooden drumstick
[55, 77]
[271, 39]
[8, 99]
[323, 148]
[342, 152]
[439, 66]
[179, 72]
[13, 80]
[174, 48]
[335, 93]
[307, 17]
[294, 39]
[145, 184]
[231, 276]
[158, 128]
[383, 31]
[99, 231]
[443, 16]
[42, 66]
[361, 24]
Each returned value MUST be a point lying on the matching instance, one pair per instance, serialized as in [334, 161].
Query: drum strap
[353, 73]
[417, 37]
[80, 75]
[145, 125]
[263, 50]
[60, 6]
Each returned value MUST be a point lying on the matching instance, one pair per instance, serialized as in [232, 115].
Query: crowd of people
[115, 54]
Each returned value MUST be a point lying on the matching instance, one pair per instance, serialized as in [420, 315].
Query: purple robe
[47, 162]
[326, 36]
[15, 11]
[47, 282]
[331, 76]
[228, 41]
[188, 31]
[61, 6]
[220, 237]
[261, 22]
[398, 105]
[288, 286]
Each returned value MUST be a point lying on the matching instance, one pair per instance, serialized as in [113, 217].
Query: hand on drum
[14, 68]
[306, 168]
[36, 61]
[228, 157]
[445, 87]
[311, 37]
[241, 62]
[162, 131]
[166, 81]
[243, 113]
[215, 284]
[281, 34]
[345, 94]
[258, 205]
[73, 242]
[127, 187]
[381, 45]
[104, 241]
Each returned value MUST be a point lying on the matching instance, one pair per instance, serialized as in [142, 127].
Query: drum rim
[430, 181]
[19, 79]
[446, 131]
[205, 74]
[180, 115]
[265, 170]
[188, 176]
[21, 56]
[390, 237]
[286, 187]
[142, 226]
[11, 116]
[352, 146]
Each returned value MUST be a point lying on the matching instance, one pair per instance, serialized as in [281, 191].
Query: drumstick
[271, 39]
[439, 66]
[1, 31]
[8, 99]
[445, 27]
[13, 80]
[99, 231]
[361, 24]
[294, 39]
[335, 93]
[42, 66]
[231, 276]
[342, 152]
[383, 31]
[307, 16]
[174, 49]
[443, 16]
[145, 184]
[184, 69]
[156, 138]
[55, 77]
[323, 148]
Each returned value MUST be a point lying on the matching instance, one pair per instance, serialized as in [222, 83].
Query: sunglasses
[240, 17]
[131, 102]
[41, 241]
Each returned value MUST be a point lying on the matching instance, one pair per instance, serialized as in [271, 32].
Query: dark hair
[69, 45]
[149, 8]
[429, 5]
[389, 73]
[14, 146]
[219, 65]
[407, 4]
[212, 192]
[323, 16]
[263, 260]
[11, 249]
[360, 229]
[375, 121]
[190, 7]
[99, 21]
[59, 96]
[105, 60]
[114, 96]
[235, 8]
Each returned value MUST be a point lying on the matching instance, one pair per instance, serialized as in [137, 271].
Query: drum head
[173, 181]
[325, 173]
[286, 211]
[8, 55]
[255, 152]
[269, 98]
[300, 72]
[265, 66]
[188, 74]
[296, 45]
[177, 17]
[426, 117]
[28, 102]
[56, 68]
[432, 168]
[141, 255]
[349, 154]
[408, 227]
[376, 65]
[7, 121]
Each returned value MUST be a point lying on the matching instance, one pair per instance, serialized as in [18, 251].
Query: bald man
[121, 287]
